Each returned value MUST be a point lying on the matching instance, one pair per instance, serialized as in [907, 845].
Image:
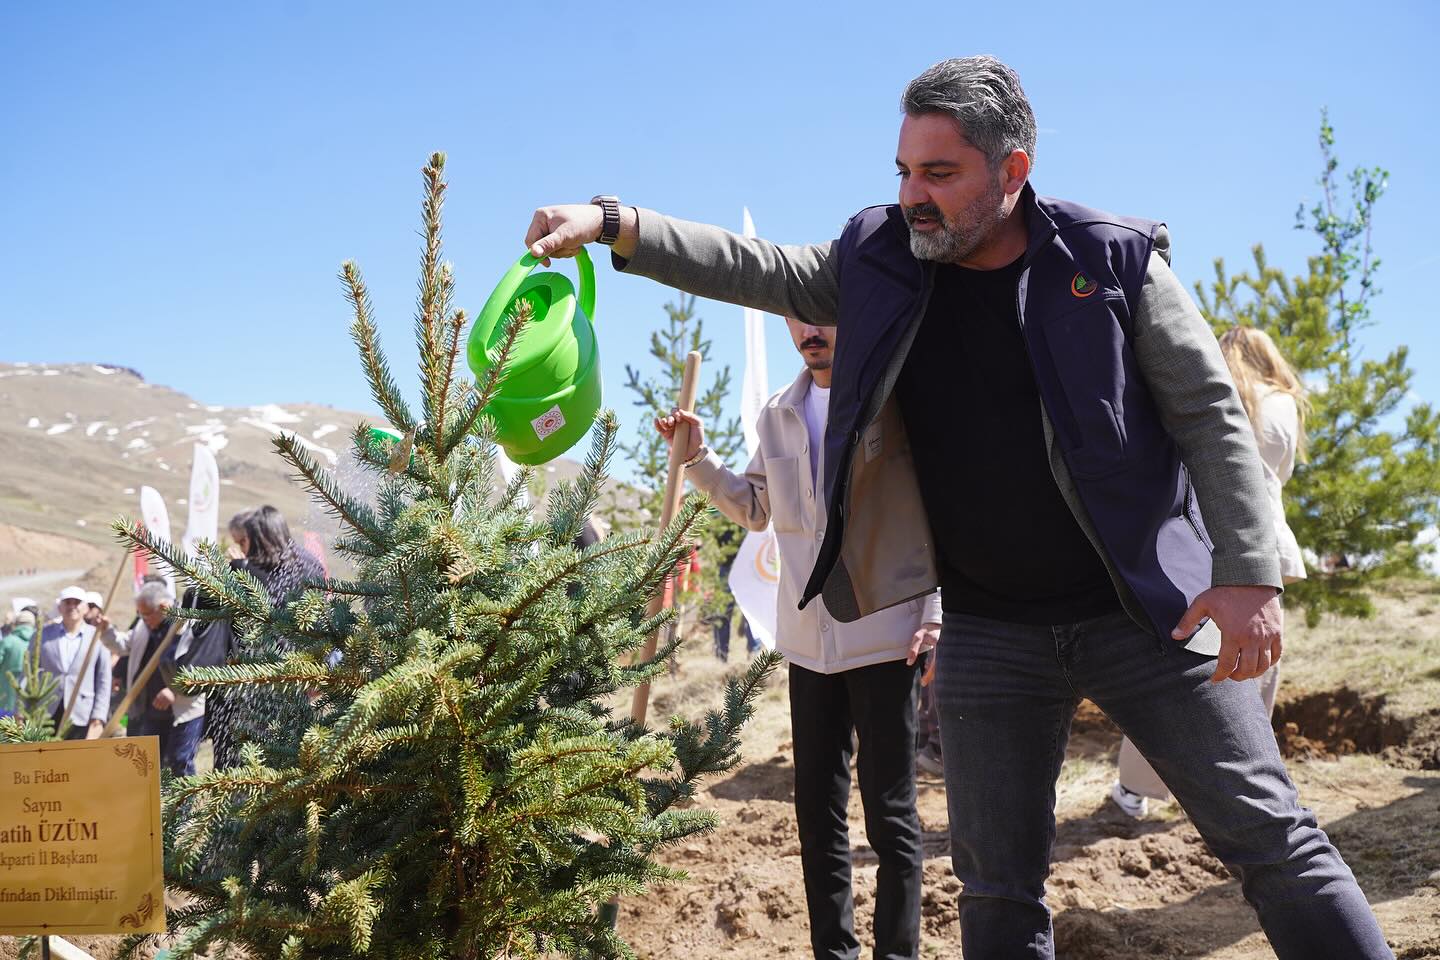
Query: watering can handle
[504, 292]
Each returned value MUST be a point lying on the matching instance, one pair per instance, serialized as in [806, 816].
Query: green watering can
[551, 391]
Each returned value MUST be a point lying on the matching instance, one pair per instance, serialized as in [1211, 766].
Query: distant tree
[654, 395]
[1371, 483]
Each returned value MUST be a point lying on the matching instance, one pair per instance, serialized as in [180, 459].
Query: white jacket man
[844, 677]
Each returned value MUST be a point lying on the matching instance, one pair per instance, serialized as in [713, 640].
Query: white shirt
[817, 411]
[70, 644]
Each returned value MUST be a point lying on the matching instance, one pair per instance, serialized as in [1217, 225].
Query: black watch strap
[610, 226]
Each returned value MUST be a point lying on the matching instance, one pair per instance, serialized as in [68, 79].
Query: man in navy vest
[1028, 409]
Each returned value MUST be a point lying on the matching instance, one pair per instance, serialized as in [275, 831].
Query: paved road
[41, 585]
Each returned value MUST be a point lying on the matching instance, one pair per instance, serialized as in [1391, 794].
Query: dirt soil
[1121, 889]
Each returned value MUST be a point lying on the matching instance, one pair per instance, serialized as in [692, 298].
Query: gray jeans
[1007, 693]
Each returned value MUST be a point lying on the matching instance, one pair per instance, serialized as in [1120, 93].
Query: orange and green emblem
[1082, 286]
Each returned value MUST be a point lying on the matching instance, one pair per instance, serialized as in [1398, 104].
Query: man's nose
[913, 192]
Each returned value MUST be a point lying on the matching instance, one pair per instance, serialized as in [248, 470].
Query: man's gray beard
[952, 243]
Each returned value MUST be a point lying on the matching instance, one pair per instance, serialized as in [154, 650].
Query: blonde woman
[1274, 399]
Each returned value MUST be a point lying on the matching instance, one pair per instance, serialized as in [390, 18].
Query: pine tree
[654, 396]
[457, 785]
[1371, 483]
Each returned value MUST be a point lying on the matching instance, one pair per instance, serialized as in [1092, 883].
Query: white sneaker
[1131, 802]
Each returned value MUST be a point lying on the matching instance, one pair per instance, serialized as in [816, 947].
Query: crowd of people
[96, 665]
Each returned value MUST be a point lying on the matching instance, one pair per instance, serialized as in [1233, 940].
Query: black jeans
[878, 703]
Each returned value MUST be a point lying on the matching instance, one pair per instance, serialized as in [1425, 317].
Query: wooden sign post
[80, 838]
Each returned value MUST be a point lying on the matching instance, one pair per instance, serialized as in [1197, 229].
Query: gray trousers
[1136, 774]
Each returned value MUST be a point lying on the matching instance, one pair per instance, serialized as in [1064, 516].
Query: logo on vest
[1082, 286]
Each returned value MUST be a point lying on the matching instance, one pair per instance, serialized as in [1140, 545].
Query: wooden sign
[80, 837]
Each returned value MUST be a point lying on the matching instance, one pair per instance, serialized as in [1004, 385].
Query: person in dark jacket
[1028, 409]
[261, 544]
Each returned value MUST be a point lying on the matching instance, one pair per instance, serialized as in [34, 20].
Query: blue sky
[179, 183]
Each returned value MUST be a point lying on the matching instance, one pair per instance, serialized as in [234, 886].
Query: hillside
[81, 439]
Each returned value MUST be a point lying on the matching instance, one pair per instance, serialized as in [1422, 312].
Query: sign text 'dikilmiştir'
[80, 837]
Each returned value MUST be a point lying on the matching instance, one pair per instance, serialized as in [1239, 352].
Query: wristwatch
[610, 226]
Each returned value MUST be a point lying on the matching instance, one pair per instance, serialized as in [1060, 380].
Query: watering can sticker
[551, 391]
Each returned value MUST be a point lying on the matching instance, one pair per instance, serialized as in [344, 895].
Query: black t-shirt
[1008, 546]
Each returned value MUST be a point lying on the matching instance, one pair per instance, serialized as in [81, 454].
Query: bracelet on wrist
[700, 454]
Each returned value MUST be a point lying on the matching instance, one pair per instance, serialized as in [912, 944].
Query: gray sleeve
[1181, 361]
[790, 281]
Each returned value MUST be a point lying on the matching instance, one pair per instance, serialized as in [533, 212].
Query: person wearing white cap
[62, 654]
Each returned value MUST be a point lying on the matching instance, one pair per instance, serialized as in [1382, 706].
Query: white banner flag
[755, 385]
[755, 575]
[203, 522]
[157, 520]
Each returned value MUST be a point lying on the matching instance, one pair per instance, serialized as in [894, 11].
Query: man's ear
[1014, 171]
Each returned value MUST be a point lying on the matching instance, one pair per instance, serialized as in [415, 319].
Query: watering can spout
[551, 390]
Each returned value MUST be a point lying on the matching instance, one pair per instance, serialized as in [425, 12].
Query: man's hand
[923, 641]
[666, 426]
[561, 231]
[94, 729]
[102, 624]
[164, 700]
[1250, 621]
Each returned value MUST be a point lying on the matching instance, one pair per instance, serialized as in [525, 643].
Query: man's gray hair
[154, 595]
[983, 96]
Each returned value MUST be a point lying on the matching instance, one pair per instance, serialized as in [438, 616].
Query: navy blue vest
[1083, 273]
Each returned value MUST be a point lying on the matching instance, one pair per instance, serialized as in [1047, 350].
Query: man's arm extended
[791, 281]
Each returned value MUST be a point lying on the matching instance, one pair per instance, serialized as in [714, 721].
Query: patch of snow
[217, 442]
[111, 431]
[136, 444]
[324, 430]
[58, 428]
[162, 465]
[274, 430]
[94, 428]
[193, 406]
[129, 490]
[33, 422]
[22, 363]
[227, 483]
[50, 373]
[79, 523]
[274, 414]
[142, 385]
[214, 409]
[181, 501]
[139, 423]
[144, 433]
[105, 370]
